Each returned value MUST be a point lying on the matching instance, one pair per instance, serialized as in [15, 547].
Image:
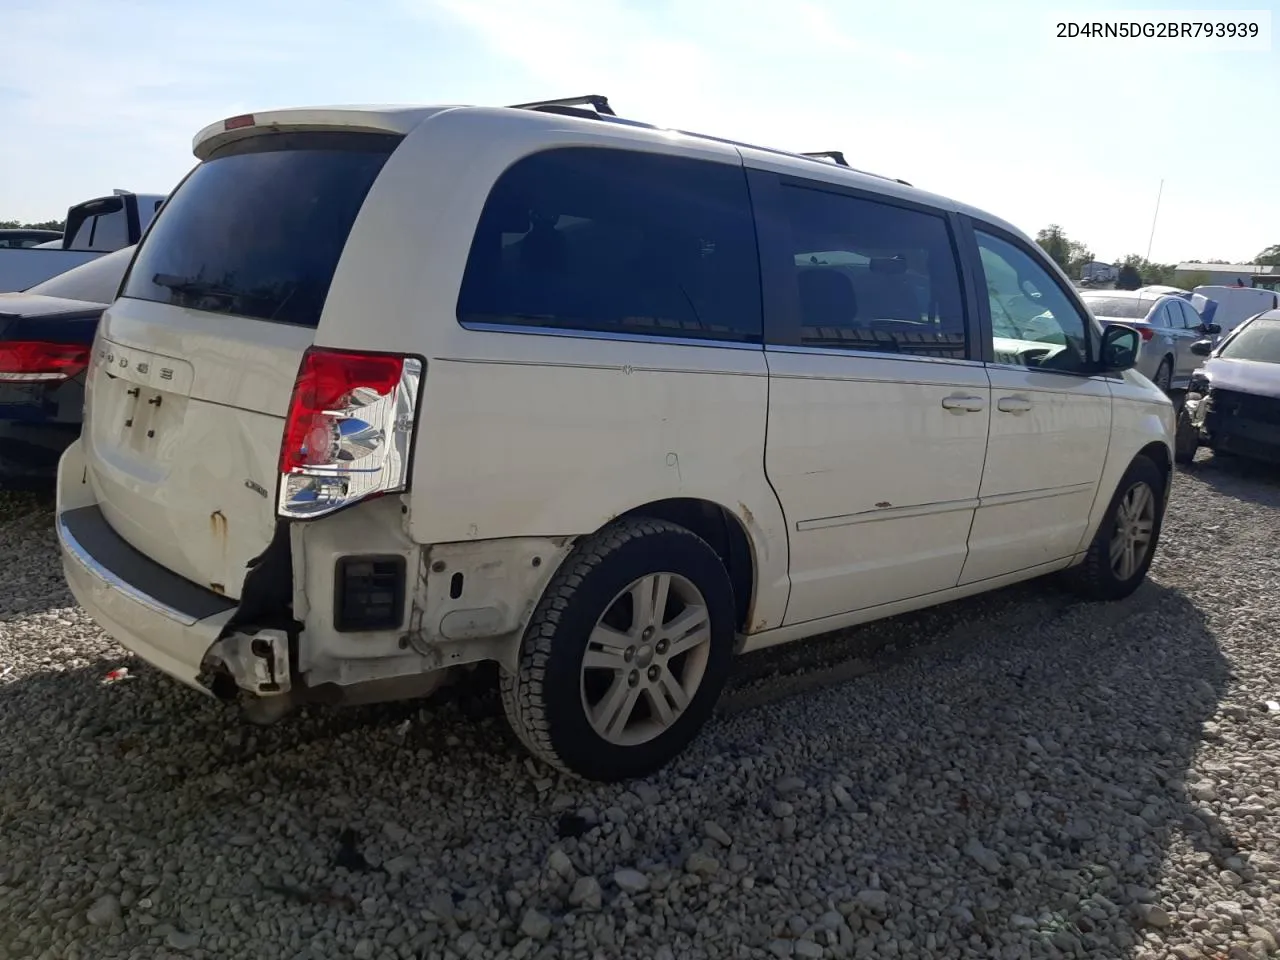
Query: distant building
[1227, 275]
[1099, 272]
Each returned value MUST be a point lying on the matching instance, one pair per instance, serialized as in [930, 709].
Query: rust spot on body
[748, 517]
[218, 524]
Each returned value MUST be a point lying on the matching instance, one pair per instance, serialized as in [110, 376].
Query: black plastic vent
[368, 594]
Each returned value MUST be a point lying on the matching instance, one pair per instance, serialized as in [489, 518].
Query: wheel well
[1158, 454]
[723, 532]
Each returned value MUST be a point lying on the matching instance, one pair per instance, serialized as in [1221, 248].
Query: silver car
[1168, 325]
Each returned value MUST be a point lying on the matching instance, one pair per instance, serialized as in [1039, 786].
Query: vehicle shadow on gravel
[1013, 766]
[1237, 477]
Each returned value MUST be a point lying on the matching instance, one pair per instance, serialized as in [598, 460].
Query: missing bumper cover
[258, 663]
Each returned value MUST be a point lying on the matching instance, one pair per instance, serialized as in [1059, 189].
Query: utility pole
[1152, 239]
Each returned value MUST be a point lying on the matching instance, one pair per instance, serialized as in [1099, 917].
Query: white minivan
[391, 391]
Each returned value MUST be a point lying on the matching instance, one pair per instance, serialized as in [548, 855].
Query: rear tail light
[349, 430]
[1146, 333]
[35, 361]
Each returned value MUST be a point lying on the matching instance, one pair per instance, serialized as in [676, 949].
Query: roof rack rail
[601, 104]
[573, 107]
[834, 155]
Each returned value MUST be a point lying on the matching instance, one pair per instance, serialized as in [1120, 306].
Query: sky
[977, 100]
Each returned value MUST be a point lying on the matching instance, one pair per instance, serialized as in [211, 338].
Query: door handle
[961, 403]
[1015, 405]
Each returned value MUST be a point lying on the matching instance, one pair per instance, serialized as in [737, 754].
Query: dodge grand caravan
[392, 391]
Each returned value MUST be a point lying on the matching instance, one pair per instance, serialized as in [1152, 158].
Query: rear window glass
[1120, 308]
[257, 229]
[615, 241]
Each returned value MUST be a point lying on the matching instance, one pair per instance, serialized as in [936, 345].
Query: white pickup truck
[94, 228]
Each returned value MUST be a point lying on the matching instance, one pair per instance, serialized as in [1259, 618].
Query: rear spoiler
[119, 200]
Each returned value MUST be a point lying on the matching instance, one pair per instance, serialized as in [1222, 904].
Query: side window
[1190, 319]
[1162, 316]
[111, 232]
[615, 241]
[1034, 324]
[873, 276]
[83, 240]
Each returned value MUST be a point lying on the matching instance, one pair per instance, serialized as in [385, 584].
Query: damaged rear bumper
[164, 630]
[173, 624]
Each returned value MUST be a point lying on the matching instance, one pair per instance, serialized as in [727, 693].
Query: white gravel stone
[586, 893]
[104, 911]
[717, 833]
[182, 941]
[702, 864]
[535, 926]
[877, 901]
[989, 860]
[631, 881]
[559, 863]
[1154, 915]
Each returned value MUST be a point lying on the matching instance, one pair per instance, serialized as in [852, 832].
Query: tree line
[1135, 270]
[44, 225]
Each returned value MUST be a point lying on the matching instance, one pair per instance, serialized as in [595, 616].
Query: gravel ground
[1019, 775]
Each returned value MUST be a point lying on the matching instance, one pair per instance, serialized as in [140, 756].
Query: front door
[1050, 420]
[1186, 331]
[877, 417]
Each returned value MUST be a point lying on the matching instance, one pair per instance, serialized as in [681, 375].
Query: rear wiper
[194, 287]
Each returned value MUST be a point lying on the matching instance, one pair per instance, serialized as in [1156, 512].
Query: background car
[1234, 305]
[27, 237]
[1168, 325]
[1233, 404]
[45, 336]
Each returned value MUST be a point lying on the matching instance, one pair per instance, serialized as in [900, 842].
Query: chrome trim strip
[888, 513]
[851, 352]
[112, 580]
[1096, 377]
[711, 371]
[946, 506]
[1022, 496]
[482, 326]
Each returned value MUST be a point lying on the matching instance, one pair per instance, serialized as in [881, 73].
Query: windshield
[1121, 308]
[1259, 341]
[258, 228]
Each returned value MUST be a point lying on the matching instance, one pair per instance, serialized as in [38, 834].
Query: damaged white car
[1233, 404]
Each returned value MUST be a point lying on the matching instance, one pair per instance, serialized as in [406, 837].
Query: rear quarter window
[616, 241]
[258, 228]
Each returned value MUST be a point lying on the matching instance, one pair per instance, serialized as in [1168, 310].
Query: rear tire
[626, 654]
[1121, 552]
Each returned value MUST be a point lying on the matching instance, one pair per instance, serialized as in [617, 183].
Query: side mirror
[1212, 329]
[1202, 348]
[1119, 350]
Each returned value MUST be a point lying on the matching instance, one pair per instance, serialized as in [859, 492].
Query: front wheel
[1121, 552]
[1186, 440]
[626, 653]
